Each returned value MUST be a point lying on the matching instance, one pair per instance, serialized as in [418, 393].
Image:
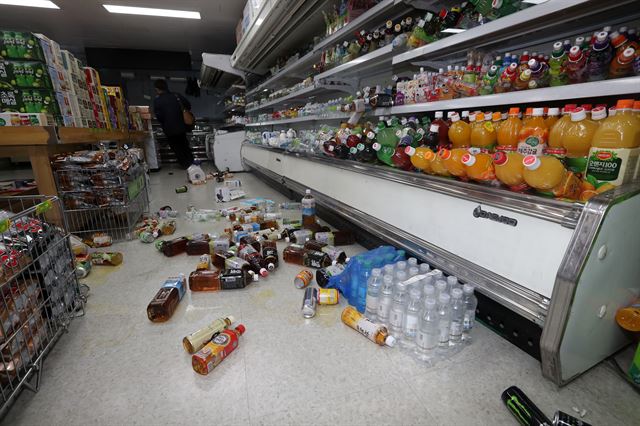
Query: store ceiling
[85, 23]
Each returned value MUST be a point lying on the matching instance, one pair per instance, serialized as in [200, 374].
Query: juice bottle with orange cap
[557, 131]
[576, 140]
[527, 115]
[452, 161]
[479, 166]
[509, 132]
[437, 167]
[613, 156]
[496, 121]
[421, 157]
[552, 117]
[534, 134]
[459, 132]
[548, 176]
[509, 170]
[483, 134]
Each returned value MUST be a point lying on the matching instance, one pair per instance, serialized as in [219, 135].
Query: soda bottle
[235, 262]
[489, 81]
[599, 58]
[323, 275]
[452, 161]
[375, 332]
[508, 133]
[204, 280]
[214, 352]
[308, 209]
[234, 278]
[443, 130]
[459, 132]
[534, 134]
[299, 236]
[548, 176]
[419, 36]
[270, 253]
[620, 43]
[539, 73]
[509, 169]
[196, 340]
[174, 247]
[507, 79]
[335, 254]
[164, 303]
[622, 64]
[576, 65]
[557, 64]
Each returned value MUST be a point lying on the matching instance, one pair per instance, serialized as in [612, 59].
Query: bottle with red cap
[576, 65]
[599, 57]
[622, 64]
[214, 352]
[443, 130]
[507, 79]
[548, 175]
[509, 170]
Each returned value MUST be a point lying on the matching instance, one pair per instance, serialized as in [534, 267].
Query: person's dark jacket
[169, 113]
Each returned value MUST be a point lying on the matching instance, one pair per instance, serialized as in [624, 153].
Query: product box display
[24, 74]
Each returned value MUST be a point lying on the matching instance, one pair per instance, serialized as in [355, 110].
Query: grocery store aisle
[114, 367]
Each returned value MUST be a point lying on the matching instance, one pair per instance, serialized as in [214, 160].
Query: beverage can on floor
[181, 189]
[564, 419]
[328, 296]
[303, 279]
[522, 408]
[310, 302]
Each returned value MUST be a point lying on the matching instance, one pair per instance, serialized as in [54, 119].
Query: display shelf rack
[616, 87]
[302, 95]
[234, 107]
[234, 89]
[287, 73]
[300, 120]
[379, 59]
[51, 135]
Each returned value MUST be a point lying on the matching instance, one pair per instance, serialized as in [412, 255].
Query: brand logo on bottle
[604, 155]
[221, 339]
[483, 214]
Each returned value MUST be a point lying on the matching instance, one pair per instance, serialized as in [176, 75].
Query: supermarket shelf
[286, 73]
[302, 95]
[50, 135]
[232, 107]
[553, 13]
[234, 88]
[231, 126]
[617, 87]
[378, 59]
[299, 120]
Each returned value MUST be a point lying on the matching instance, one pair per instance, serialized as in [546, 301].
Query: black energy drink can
[523, 409]
[564, 419]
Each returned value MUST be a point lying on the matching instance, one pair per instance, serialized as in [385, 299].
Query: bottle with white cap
[412, 261]
[428, 289]
[413, 271]
[428, 333]
[401, 265]
[373, 294]
[385, 300]
[452, 282]
[377, 333]
[196, 340]
[534, 134]
[576, 140]
[411, 319]
[424, 268]
[441, 288]
[470, 305]
[457, 317]
[389, 270]
[599, 57]
[398, 307]
[444, 320]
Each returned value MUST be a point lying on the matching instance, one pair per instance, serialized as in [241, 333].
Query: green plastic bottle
[557, 64]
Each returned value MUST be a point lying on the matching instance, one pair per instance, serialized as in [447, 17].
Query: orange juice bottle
[496, 120]
[438, 168]
[552, 117]
[483, 134]
[509, 131]
[452, 160]
[479, 166]
[527, 115]
[613, 156]
[533, 136]
[509, 170]
[459, 132]
[547, 175]
[421, 157]
[557, 131]
[576, 140]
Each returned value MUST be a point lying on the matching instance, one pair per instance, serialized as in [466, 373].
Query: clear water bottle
[470, 305]
[428, 333]
[444, 320]
[441, 288]
[437, 274]
[389, 269]
[412, 261]
[373, 294]
[413, 271]
[428, 292]
[411, 319]
[424, 268]
[452, 282]
[401, 265]
[457, 317]
[385, 300]
[398, 307]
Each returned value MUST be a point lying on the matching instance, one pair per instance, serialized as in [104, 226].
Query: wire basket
[39, 292]
[103, 199]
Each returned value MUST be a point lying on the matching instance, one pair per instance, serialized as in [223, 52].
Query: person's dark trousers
[180, 146]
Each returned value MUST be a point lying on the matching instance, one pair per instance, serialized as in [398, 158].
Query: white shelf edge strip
[284, 98]
[355, 62]
[298, 120]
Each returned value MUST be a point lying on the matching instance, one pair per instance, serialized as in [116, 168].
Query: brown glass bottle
[336, 238]
[164, 303]
[294, 254]
[198, 247]
[268, 224]
[270, 254]
[251, 241]
[316, 227]
[254, 258]
[204, 280]
[176, 246]
[218, 259]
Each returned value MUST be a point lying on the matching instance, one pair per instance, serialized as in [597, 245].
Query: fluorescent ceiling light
[453, 30]
[31, 3]
[147, 11]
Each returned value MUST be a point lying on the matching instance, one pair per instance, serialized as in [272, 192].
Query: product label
[177, 283]
[615, 166]
[325, 237]
[232, 279]
[308, 207]
[469, 319]
[333, 252]
[314, 259]
[456, 328]
[372, 303]
[367, 329]
[395, 318]
[532, 145]
[334, 270]
[384, 304]
[488, 126]
[328, 296]
[410, 324]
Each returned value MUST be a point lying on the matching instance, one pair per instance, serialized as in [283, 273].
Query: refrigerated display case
[550, 273]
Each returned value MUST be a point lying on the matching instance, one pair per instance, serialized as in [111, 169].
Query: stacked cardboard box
[96, 96]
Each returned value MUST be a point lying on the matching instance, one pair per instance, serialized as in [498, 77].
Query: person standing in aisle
[170, 110]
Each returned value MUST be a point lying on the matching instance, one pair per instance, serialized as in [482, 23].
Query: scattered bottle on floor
[411, 319]
[174, 247]
[204, 280]
[377, 333]
[214, 352]
[323, 275]
[106, 258]
[196, 340]
[308, 209]
[164, 303]
[235, 278]
[336, 238]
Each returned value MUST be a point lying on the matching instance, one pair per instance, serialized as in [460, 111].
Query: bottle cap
[434, 128]
[240, 329]
[271, 267]
[557, 45]
[444, 298]
[624, 104]
[568, 108]
[514, 111]
[574, 53]
[287, 239]
[465, 114]
[525, 75]
[578, 114]
[444, 153]
[439, 114]
[553, 112]
[376, 146]
[538, 112]
[468, 160]
[531, 162]
[390, 341]
[472, 117]
[602, 36]
[612, 111]
[479, 116]
[628, 53]
[456, 293]
[636, 106]
[308, 191]
[455, 117]
[410, 151]
[497, 116]
[533, 63]
[231, 319]
[467, 289]
[500, 158]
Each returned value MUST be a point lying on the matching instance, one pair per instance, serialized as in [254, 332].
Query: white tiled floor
[115, 367]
